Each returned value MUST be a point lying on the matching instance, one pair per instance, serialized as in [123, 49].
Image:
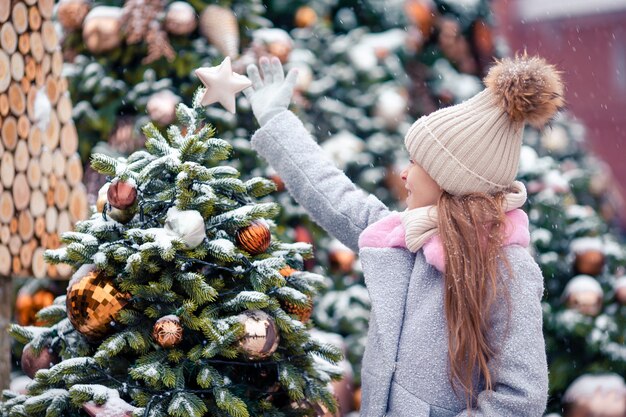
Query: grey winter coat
[404, 371]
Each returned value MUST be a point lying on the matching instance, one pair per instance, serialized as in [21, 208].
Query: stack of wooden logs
[41, 193]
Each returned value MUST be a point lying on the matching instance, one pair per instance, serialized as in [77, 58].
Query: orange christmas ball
[167, 331]
[27, 305]
[589, 262]
[93, 304]
[287, 271]
[357, 399]
[280, 49]
[483, 38]
[254, 239]
[305, 17]
[302, 234]
[342, 260]
[302, 312]
[280, 185]
[421, 14]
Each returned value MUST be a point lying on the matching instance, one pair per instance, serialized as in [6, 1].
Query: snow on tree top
[576, 211]
[582, 283]
[99, 258]
[541, 235]
[271, 35]
[224, 244]
[180, 7]
[555, 180]
[169, 317]
[343, 147]
[103, 11]
[292, 293]
[620, 282]
[463, 5]
[328, 338]
[336, 245]
[531, 163]
[464, 86]
[389, 40]
[613, 248]
[162, 238]
[302, 55]
[81, 272]
[586, 244]
[588, 385]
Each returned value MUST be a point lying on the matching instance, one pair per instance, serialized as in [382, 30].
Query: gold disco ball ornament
[93, 304]
[261, 337]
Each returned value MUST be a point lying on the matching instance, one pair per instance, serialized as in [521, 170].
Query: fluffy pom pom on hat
[475, 146]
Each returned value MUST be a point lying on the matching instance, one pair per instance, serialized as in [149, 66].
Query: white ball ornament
[161, 107]
[180, 18]
[620, 290]
[596, 395]
[391, 106]
[102, 29]
[188, 225]
[584, 294]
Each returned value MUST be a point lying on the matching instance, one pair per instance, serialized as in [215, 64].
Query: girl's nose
[403, 175]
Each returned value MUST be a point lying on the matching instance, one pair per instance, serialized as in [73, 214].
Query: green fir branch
[291, 379]
[247, 300]
[208, 377]
[186, 404]
[104, 164]
[82, 393]
[52, 314]
[53, 399]
[234, 406]
[260, 187]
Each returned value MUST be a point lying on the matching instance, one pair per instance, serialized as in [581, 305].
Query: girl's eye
[412, 162]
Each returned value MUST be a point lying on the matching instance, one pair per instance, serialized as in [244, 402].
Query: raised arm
[521, 373]
[332, 200]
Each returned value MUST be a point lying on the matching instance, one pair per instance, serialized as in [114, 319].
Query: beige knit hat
[475, 146]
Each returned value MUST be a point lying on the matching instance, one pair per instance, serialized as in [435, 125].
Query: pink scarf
[389, 232]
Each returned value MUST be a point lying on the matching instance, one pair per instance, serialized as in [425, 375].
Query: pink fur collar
[389, 233]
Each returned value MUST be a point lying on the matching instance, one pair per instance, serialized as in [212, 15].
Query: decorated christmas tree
[183, 303]
[367, 70]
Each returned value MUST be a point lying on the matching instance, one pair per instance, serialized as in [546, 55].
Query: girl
[456, 323]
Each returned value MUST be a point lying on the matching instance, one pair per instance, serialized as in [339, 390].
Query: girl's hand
[271, 94]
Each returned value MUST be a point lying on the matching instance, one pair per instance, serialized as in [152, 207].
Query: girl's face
[422, 189]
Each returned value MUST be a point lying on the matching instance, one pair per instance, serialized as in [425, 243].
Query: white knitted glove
[271, 94]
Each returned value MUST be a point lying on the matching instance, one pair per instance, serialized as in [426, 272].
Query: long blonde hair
[471, 228]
